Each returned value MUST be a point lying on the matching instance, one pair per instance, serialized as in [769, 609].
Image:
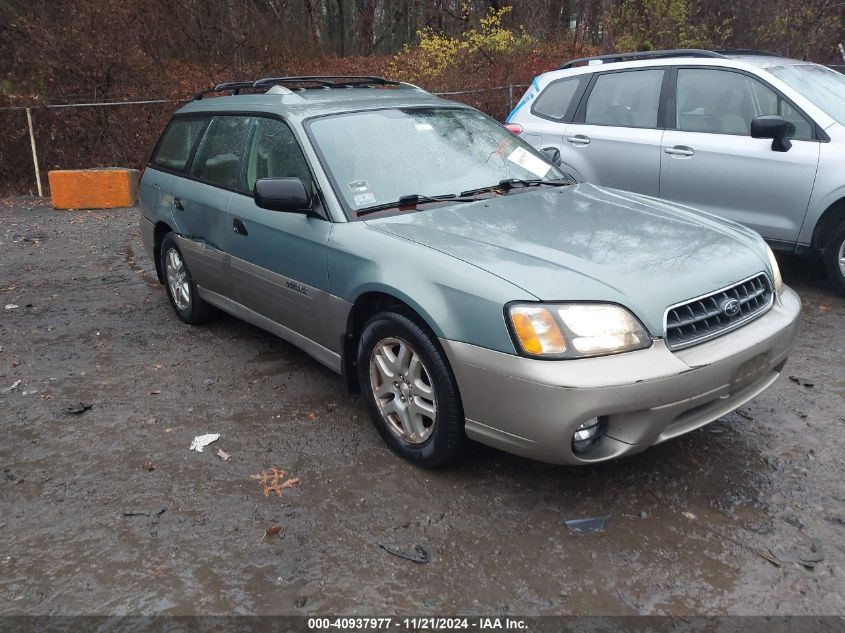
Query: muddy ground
[715, 522]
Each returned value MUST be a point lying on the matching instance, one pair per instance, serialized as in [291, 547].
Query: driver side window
[273, 152]
[724, 102]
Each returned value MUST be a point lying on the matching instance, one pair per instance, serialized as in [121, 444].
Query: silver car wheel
[403, 391]
[841, 257]
[177, 279]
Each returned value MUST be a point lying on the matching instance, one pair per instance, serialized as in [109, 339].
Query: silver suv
[746, 135]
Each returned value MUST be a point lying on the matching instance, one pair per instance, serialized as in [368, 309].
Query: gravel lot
[108, 512]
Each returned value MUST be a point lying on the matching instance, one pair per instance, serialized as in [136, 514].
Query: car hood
[589, 243]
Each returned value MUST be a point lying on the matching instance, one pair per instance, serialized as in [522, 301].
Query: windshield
[822, 86]
[376, 157]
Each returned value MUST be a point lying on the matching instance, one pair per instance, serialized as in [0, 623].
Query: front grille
[704, 318]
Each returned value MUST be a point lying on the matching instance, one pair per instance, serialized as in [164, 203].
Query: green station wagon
[455, 276]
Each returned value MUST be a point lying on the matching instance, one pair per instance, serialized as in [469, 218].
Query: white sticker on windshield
[528, 161]
[359, 186]
[364, 198]
[423, 127]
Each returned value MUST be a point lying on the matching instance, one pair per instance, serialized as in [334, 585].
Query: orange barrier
[93, 188]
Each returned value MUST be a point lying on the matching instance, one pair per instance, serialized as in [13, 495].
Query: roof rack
[306, 83]
[621, 57]
[747, 51]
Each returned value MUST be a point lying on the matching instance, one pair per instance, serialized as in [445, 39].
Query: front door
[710, 161]
[279, 260]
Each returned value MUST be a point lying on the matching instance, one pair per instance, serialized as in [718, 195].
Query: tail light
[514, 128]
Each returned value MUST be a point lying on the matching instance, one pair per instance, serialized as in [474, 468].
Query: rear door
[709, 161]
[279, 260]
[615, 137]
[201, 201]
[544, 117]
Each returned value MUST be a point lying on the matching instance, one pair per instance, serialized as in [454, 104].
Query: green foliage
[637, 25]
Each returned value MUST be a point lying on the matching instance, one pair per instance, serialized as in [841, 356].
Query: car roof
[768, 61]
[740, 60]
[302, 104]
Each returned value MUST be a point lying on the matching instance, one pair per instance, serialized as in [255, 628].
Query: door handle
[177, 202]
[679, 150]
[239, 227]
[578, 139]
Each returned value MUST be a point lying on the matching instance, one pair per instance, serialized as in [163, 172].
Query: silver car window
[724, 102]
[554, 101]
[625, 99]
[822, 86]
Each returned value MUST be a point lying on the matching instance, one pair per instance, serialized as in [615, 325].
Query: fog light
[585, 435]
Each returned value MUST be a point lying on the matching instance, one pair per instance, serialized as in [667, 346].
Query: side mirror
[282, 194]
[553, 154]
[774, 127]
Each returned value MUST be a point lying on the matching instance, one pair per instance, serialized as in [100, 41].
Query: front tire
[181, 289]
[834, 258]
[410, 391]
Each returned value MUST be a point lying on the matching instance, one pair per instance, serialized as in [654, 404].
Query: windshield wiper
[513, 183]
[413, 198]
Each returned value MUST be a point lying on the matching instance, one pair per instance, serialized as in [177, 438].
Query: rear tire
[181, 289]
[834, 258]
[410, 391]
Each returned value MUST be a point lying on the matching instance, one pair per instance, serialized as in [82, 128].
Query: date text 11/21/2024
[418, 623]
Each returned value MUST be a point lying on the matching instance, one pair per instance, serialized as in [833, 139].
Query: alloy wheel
[177, 279]
[403, 390]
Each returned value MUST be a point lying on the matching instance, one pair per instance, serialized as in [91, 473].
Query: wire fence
[102, 133]
[99, 133]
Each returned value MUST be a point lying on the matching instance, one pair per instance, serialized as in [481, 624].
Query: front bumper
[532, 407]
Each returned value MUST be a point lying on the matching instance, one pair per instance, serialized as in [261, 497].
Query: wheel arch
[161, 229]
[828, 221]
[366, 305]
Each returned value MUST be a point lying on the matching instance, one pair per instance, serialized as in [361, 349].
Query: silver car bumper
[532, 407]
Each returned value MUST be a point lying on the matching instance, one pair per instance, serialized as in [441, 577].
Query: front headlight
[775, 270]
[575, 330]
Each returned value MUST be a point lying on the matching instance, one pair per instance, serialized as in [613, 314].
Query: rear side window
[274, 153]
[218, 157]
[178, 140]
[625, 99]
[555, 100]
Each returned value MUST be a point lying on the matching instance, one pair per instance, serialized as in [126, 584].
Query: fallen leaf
[159, 366]
[273, 530]
[168, 430]
[223, 455]
[312, 415]
[155, 392]
[271, 481]
[690, 516]
[149, 466]
[825, 307]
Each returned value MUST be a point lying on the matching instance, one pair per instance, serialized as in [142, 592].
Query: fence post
[510, 97]
[34, 154]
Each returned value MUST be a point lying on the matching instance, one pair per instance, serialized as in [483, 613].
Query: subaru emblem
[730, 308]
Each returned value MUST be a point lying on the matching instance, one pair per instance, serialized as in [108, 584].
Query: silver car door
[614, 140]
[711, 162]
